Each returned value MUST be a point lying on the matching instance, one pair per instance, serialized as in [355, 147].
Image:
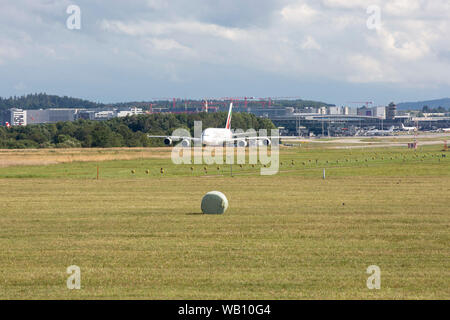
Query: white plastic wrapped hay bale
[214, 202]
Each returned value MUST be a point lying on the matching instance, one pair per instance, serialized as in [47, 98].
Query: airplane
[444, 130]
[376, 132]
[408, 128]
[217, 136]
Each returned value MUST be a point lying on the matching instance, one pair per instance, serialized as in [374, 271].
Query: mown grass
[293, 235]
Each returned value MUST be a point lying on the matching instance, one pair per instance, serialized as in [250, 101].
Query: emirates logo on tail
[229, 117]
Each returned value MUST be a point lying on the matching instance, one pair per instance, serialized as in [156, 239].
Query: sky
[336, 51]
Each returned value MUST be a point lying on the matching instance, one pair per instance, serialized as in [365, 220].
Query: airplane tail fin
[228, 125]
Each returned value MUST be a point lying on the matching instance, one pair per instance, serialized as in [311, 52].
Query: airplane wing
[291, 138]
[246, 135]
[247, 138]
[240, 134]
[263, 138]
[281, 137]
[176, 138]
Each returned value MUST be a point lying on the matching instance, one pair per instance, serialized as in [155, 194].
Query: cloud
[354, 4]
[157, 4]
[310, 44]
[299, 13]
[402, 7]
[167, 44]
[142, 28]
[181, 46]
[367, 69]
[8, 53]
[20, 86]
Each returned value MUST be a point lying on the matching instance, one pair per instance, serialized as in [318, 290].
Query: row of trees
[118, 132]
[44, 101]
[427, 109]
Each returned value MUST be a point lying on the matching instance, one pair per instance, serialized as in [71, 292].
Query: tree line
[129, 131]
[45, 101]
[427, 109]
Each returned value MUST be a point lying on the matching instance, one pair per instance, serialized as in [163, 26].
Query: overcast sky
[143, 49]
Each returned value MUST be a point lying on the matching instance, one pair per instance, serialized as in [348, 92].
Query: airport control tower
[391, 111]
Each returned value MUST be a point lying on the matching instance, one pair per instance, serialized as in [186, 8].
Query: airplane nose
[206, 140]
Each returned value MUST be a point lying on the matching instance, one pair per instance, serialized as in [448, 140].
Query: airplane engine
[242, 143]
[266, 142]
[167, 141]
[185, 143]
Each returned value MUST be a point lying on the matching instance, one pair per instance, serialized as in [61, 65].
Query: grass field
[293, 235]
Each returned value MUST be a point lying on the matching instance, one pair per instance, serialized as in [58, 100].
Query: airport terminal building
[318, 121]
[20, 117]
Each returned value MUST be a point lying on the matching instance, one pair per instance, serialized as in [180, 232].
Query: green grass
[287, 236]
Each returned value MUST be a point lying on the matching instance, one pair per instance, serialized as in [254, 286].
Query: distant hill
[445, 103]
[45, 101]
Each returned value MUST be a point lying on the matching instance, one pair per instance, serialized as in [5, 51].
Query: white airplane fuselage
[408, 128]
[216, 136]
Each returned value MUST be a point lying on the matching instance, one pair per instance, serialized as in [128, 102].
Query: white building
[344, 110]
[322, 110]
[351, 111]
[18, 117]
[104, 115]
[131, 112]
[334, 110]
[379, 112]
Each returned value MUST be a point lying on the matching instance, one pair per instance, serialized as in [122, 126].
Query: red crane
[206, 106]
[365, 102]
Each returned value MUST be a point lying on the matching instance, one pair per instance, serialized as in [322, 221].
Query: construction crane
[263, 101]
[365, 102]
[285, 98]
[206, 106]
[207, 102]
